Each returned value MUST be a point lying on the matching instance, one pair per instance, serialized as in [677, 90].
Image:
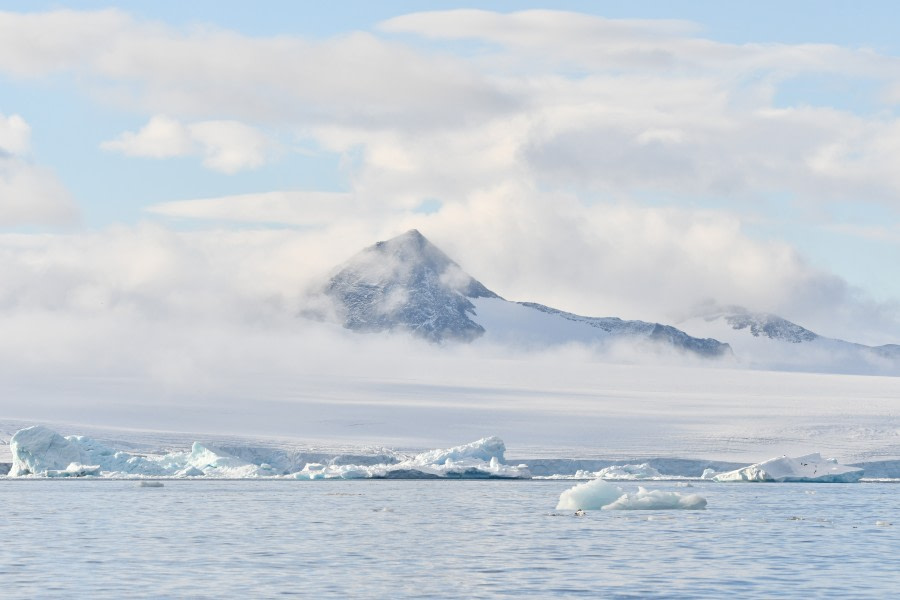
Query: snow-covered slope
[407, 283]
[768, 341]
[528, 323]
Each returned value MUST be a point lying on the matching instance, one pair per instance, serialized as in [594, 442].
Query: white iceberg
[75, 470]
[811, 468]
[629, 472]
[591, 495]
[40, 452]
[481, 459]
[645, 499]
[602, 495]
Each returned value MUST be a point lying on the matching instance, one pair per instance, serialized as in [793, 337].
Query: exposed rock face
[770, 326]
[407, 283]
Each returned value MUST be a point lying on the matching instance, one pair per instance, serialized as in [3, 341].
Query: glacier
[811, 468]
[38, 451]
[602, 495]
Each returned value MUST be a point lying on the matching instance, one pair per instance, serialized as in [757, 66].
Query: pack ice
[811, 468]
[602, 495]
[41, 452]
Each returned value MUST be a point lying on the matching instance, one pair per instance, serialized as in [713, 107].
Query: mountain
[407, 283]
[765, 340]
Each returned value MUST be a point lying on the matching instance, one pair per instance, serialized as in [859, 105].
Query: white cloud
[226, 146]
[353, 78]
[290, 208]
[229, 146]
[15, 135]
[29, 194]
[161, 137]
[542, 147]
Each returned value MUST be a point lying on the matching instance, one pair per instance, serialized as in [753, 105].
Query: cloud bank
[605, 167]
[29, 194]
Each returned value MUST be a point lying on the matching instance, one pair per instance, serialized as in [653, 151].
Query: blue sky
[766, 130]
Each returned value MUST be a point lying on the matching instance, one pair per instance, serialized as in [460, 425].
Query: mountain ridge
[407, 283]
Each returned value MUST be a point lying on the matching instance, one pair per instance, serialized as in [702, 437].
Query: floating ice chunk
[314, 471]
[37, 450]
[483, 458]
[592, 495]
[708, 474]
[600, 494]
[40, 451]
[151, 484]
[216, 462]
[646, 499]
[811, 468]
[484, 450]
[629, 472]
[74, 470]
[190, 471]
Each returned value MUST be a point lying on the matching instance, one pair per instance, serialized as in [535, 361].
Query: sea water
[441, 539]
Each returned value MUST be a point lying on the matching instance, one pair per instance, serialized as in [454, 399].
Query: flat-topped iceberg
[811, 468]
[40, 452]
[629, 472]
[602, 495]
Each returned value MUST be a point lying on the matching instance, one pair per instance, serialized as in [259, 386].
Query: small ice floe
[882, 524]
[708, 474]
[580, 512]
[150, 484]
[683, 484]
[602, 495]
[811, 468]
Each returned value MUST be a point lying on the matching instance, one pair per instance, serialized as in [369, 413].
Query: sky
[161, 161]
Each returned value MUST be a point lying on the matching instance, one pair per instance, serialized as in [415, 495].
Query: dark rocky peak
[406, 282]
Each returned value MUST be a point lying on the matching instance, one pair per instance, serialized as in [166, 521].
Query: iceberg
[75, 470]
[645, 499]
[41, 452]
[602, 495]
[811, 468]
[481, 459]
[592, 495]
[629, 472]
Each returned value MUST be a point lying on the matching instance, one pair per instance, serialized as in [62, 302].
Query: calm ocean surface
[441, 539]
